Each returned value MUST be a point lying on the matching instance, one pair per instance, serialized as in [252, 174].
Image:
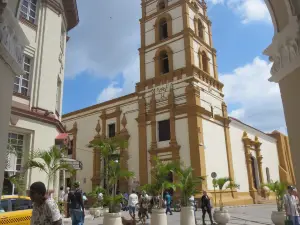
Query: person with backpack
[76, 206]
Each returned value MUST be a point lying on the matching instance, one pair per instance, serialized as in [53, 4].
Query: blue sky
[102, 57]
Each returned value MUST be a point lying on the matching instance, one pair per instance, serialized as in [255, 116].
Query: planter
[221, 217]
[112, 219]
[278, 218]
[104, 210]
[187, 216]
[158, 217]
[96, 212]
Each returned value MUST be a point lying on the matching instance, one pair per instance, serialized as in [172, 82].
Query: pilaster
[143, 168]
[195, 128]
[228, 147]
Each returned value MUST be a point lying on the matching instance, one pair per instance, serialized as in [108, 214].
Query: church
[178, 112]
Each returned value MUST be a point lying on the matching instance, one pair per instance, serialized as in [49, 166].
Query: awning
[62, 136]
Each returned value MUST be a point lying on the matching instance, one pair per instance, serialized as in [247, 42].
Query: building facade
[178, 112]
[12, 43]
[37, 93]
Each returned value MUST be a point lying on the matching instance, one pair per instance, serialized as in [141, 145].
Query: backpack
[75, 199]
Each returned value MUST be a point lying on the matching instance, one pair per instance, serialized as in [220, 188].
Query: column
[259, 160]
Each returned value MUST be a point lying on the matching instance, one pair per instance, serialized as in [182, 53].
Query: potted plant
[222, 216]
[112, 199]
[278, 217]
[188, 186]
[160, 172]
[96, 209]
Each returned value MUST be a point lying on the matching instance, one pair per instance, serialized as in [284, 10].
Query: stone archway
[284, 52]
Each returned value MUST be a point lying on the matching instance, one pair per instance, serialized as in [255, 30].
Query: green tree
[160, 171]
[109, 150]
[115, 173]
[224, 183]
[187, 184]
[279, 190]
[49, 162]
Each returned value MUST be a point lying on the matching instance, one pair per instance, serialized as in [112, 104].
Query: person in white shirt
[132, 201]
[290, 205]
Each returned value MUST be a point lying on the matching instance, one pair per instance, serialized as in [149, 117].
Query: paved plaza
[248, 215]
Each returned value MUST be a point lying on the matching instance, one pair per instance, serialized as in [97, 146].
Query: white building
[12, 42]
[37, 93]
[178, 112]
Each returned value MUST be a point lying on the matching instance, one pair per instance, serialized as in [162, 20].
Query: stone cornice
[284, 51]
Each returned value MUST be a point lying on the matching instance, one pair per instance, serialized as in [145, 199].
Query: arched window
[268, 175]
[204, 62]
[163, 29]
[164, 62]
[200, 29]
[161, 5]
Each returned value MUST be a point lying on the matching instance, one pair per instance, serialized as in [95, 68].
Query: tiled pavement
[244, 215]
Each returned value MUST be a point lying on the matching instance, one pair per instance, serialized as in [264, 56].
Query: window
[28, 10]
[164, 130]
[58, 95]
[163, 29]
[16, 142]
[62, 38]
[20, 204]
[111, 130]
[164, 63]
[4, 205]
[161, 4]
[200, 29]
[21, 83]
[268, 175]
[205, 62]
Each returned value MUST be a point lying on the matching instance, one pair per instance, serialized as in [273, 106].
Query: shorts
[131, 209]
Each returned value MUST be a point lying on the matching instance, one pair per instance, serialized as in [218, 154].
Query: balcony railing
[12, 39]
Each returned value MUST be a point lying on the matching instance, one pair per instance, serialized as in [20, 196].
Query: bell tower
[178, 82]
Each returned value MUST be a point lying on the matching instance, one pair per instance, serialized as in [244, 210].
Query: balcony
[12, 39]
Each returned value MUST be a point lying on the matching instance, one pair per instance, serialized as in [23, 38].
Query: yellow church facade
[178, 113]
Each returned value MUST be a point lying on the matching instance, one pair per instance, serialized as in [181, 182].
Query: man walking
[290, 205]
[76, 206]
[206, 207]
[45, 211]
[133, 199]
[168, 200]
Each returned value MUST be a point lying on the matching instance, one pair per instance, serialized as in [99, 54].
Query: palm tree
[49, 162]
[115, 173]
[279, 189]
[187, 183]
[160, 173]
[109, 150]
[224, 183]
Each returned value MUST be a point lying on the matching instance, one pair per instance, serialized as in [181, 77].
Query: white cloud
[105, 42]
[131, 76]
[111, 92]
[248, 10]
[252, 98]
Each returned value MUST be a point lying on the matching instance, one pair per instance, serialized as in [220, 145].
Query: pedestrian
[45, 211]
[168, 200]
[206, 207]
[290, 205]
[67, 214]
[76, 206]
[132, 201]
[61, 198]
[192, 203]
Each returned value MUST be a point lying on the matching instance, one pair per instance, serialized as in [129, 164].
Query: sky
[102, 60]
